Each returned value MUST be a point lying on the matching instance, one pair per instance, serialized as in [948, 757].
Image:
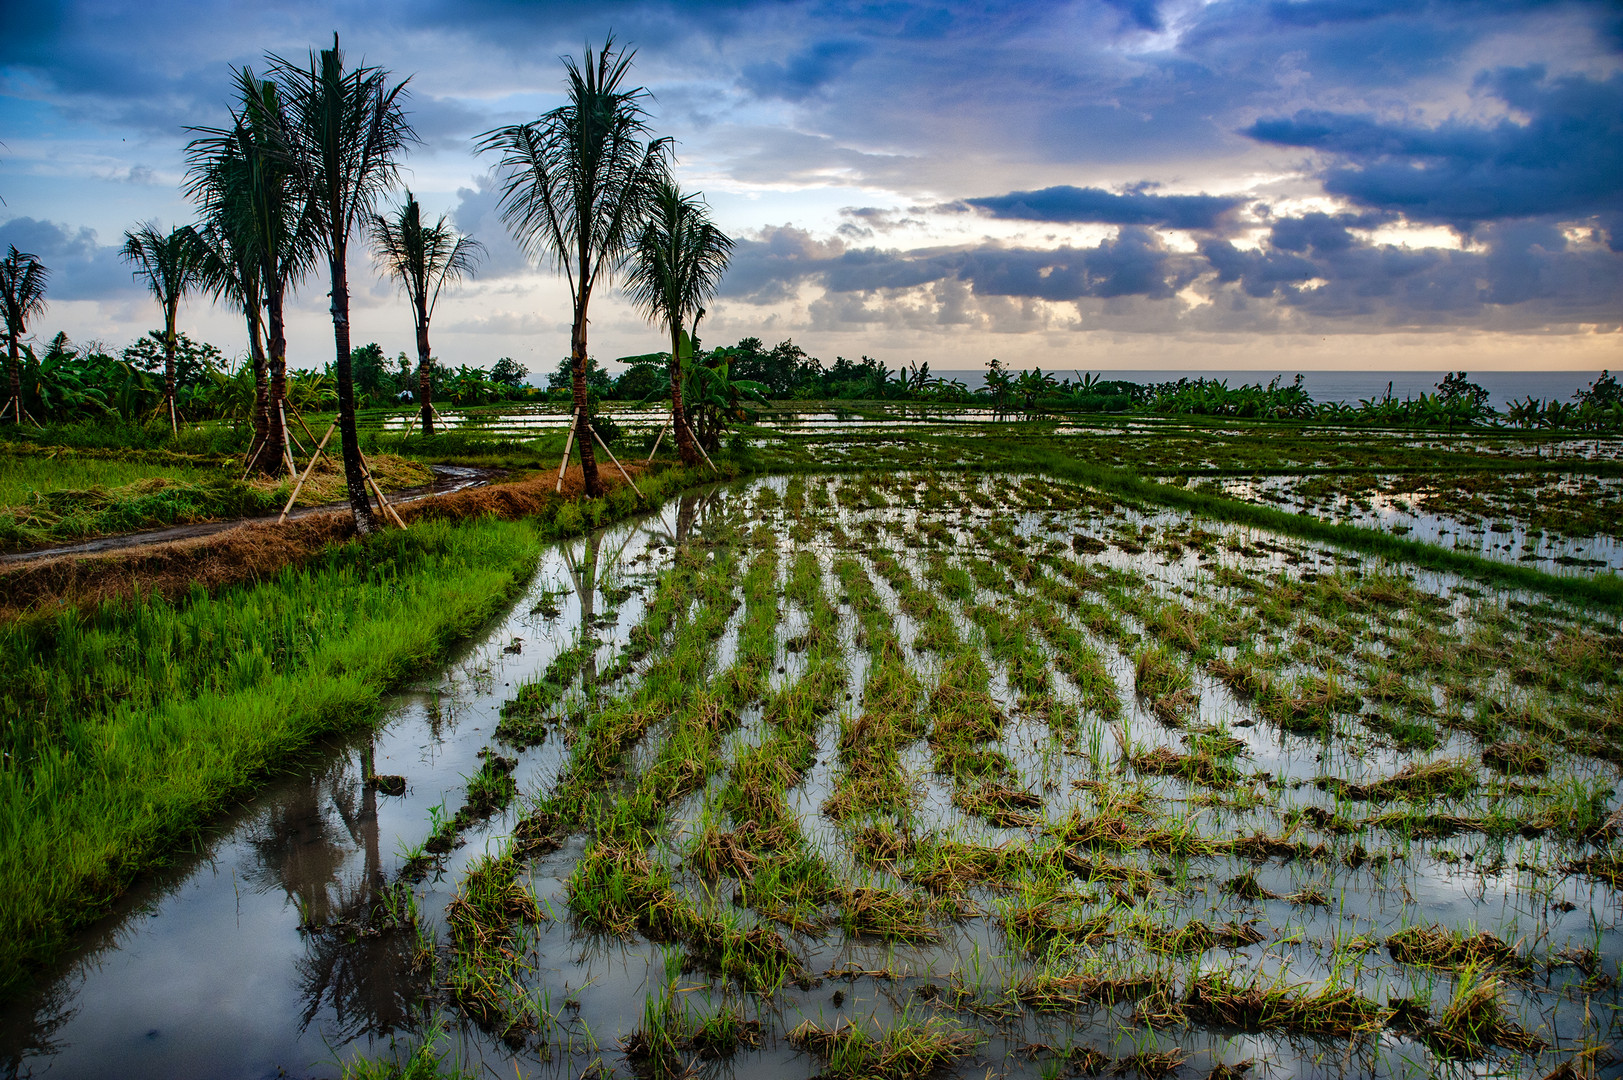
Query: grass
[130, 727]
[70, 495]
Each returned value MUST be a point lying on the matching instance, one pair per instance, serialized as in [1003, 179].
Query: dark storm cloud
[1074, 204]
[1566, 159]
[81, 268]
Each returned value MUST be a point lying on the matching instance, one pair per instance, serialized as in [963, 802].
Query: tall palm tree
[22, 296]
[575, 187]
[168, 264]
[424, 258]
[246, 179]
[228, 270]
[347, 132]
[678, 263]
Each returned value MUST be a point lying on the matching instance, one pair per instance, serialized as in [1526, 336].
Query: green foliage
[128, 726]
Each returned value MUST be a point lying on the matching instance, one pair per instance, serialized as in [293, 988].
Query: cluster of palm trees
[310, 150]
[588, 186]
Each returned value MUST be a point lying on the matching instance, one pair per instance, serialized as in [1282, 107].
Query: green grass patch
[129, 727]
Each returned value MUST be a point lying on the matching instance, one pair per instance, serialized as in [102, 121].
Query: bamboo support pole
[569, 444]
[366, 467]
[700, 445]
[307, 471]
[616, 461]
[657, 440]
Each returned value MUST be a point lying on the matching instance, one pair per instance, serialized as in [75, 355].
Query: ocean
[1354, 386]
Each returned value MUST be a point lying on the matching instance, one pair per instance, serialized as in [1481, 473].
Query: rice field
[890, 774]
[1559, 522]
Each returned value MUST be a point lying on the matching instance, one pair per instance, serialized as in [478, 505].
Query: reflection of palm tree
[584, 577]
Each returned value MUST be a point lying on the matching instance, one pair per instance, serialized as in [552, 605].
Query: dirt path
[447, 480]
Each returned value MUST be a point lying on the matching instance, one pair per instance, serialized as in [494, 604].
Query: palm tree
[679, 259]
[168, 263]
[22, 296]
[228, 270]
[576, 185]
[246, 178]
[424, 258]
[346, 132]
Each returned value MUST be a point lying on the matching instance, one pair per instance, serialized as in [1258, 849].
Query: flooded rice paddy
[886, 774]
[1558, 522]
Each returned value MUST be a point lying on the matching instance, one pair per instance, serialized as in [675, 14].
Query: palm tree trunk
[169, 363]
[16, 380]
[354, 479]
[577, 371]
[256, 353]
[425, 381]
[273, 454]
[684, 437]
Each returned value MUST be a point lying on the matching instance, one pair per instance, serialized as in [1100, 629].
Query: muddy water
[248, 958]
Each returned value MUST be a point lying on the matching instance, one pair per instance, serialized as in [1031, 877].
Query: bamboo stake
[657, 440]
[700, 445]
[307, 471]
[366, 467]
[287, 432]
[297, 415]
[569, 444]
[614, 459]
[252, 450]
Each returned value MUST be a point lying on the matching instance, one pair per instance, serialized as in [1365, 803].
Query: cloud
[1074, 204]
[1565, 159]
[81, 268]
[1523, 276]
[476, 215]
[805, 73]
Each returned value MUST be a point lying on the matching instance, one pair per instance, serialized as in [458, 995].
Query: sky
[1270, 185]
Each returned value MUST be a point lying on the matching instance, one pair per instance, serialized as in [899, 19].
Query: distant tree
[370, 370]
[423, 258]
[346, 131]
[598, 382]
[675, 270]
[22, 297]
[509, 373]
[1603, 393]
[188, 362]
[643, 379]
[171, 266]
[1457, 389]
[575, 185]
